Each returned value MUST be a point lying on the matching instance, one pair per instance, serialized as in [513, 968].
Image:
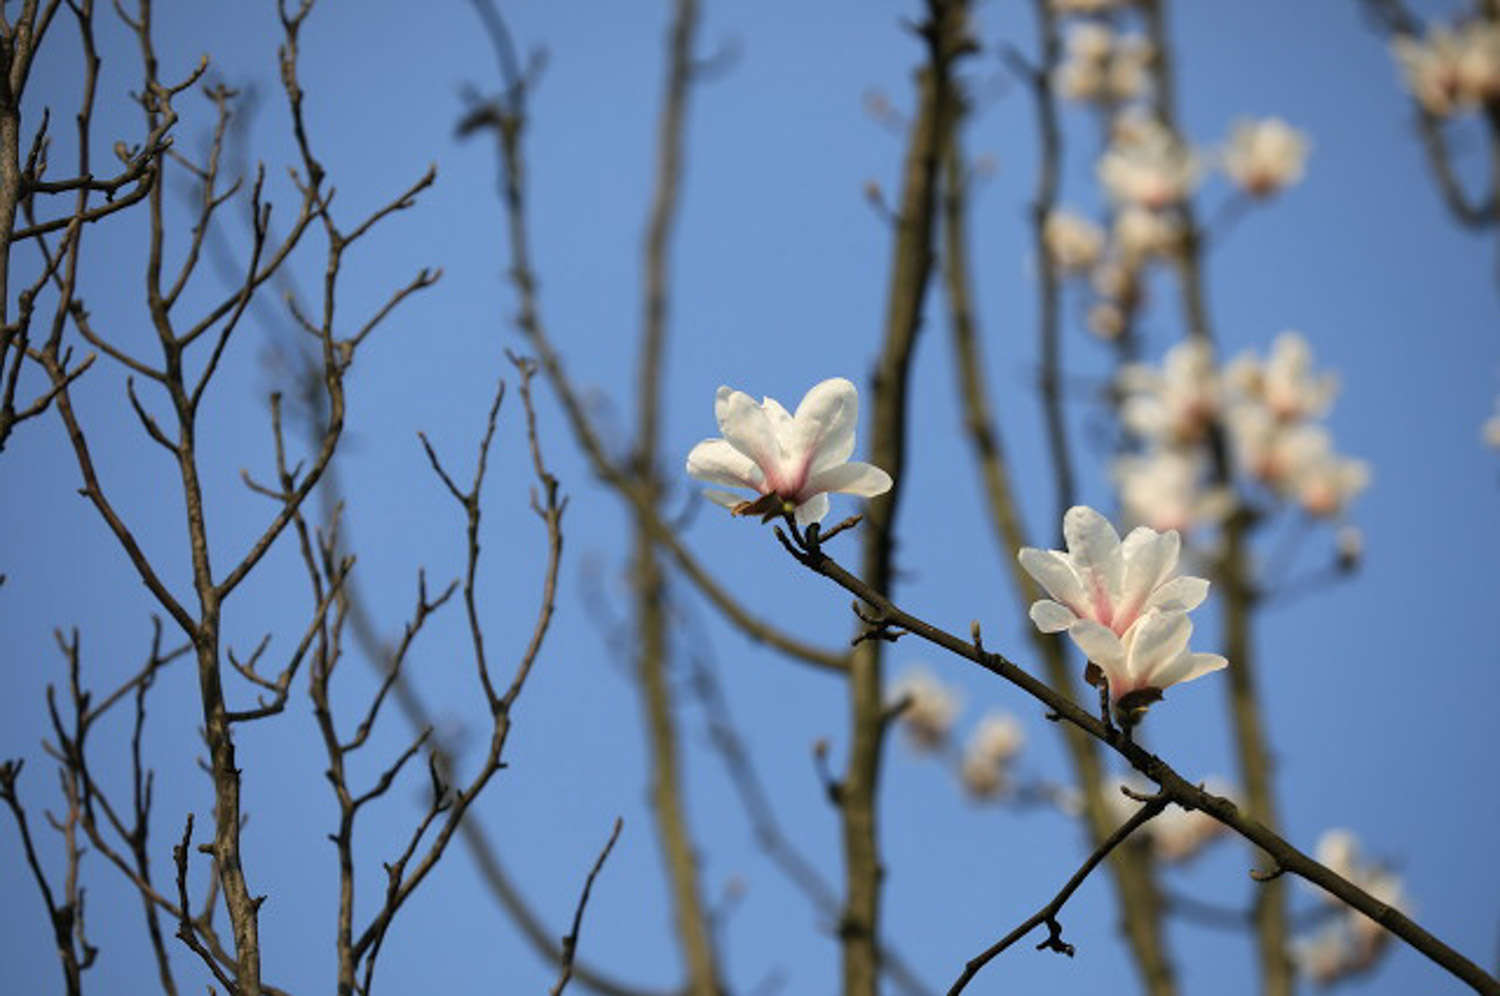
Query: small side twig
[570, 940]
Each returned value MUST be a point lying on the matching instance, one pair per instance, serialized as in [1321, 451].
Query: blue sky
[1379, 692]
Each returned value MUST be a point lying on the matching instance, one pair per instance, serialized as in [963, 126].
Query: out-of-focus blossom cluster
[1148, 164]
[928, 712]
[1452, 71]
[1102, 66]
[1264, 156]
[1351, 943]
[1266, 410]
[1176, 834]
[989, 756]
[930, 707]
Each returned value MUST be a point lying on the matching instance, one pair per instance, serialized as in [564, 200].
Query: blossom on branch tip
[1122, 606]
[1265, 156]
[929, 710]
[994, 744]
[793, 461]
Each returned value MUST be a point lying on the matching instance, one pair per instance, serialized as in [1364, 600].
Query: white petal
[748, 429]
[725, 498]
[1187, 667]
[1155, 642]
[1051, 617]
[1094, 547]
[812, 510]
[1149, 556]
[715, 461]
[1179, 595]
[823, 428]
[1052, 571]
[1099, 643]
[863, 479]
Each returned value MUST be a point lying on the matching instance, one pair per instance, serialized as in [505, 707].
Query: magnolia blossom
[1122, 606]
[994, 745]
[1287, 383]
[1130, 67]
[1352, 942]
[1431, 69]
[930, 708]
[1177, 403]
[1448, 71]
[1147, 164]
[1264, 156]
[1141, 235]
[1320, 479]
[791, 461]
[1491, 429]
[1164, 489]
[1074, 243]
[1100, 66]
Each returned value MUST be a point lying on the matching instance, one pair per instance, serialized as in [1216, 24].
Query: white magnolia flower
[1285, 383]
[1431, 67]
[1121, 605]
[1320, 479]
[1352, 942]
[1491, 428]
[994, 744]
[792, 461]
[930, 710]
[1164, 489]
[1074, 243]
[1130, 68]
[1478, 65]
[1264, 156]
[1090, 41]
[1142, 235]
[1147, 164]
[1177, 403]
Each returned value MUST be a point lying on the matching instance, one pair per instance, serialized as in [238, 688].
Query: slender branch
[1048, 913]
[570, 940]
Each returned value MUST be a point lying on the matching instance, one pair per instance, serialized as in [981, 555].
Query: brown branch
[1048, 913]
[570, 940]
[944, 34]
[1174, 787]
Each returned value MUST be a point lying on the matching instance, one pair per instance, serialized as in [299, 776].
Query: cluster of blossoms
[792, 461]
[994, 745]
[1102, 67]
[1452, 71]
[1124, 607]
[1351, 943]
[928, 708]
[928, 711]
[1264, 156]
[1176, 835]
[1267, 411]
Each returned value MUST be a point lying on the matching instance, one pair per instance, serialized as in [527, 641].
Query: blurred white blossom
[930, 708]
[1122, 606]
[1165, 489]
[1352, 942]
[792, 461]
[1264, 156]
[1073, 242]
[1141, 234]
[1450, 71]
[1285, 383]
[1100, 66]
[995, 743]
[1180, 834]
[1175, 404]
[1147, 164]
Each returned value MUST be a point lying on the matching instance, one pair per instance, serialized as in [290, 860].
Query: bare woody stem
[690, 916]
[1140, 912]
[944, 32]
[1173, 786]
